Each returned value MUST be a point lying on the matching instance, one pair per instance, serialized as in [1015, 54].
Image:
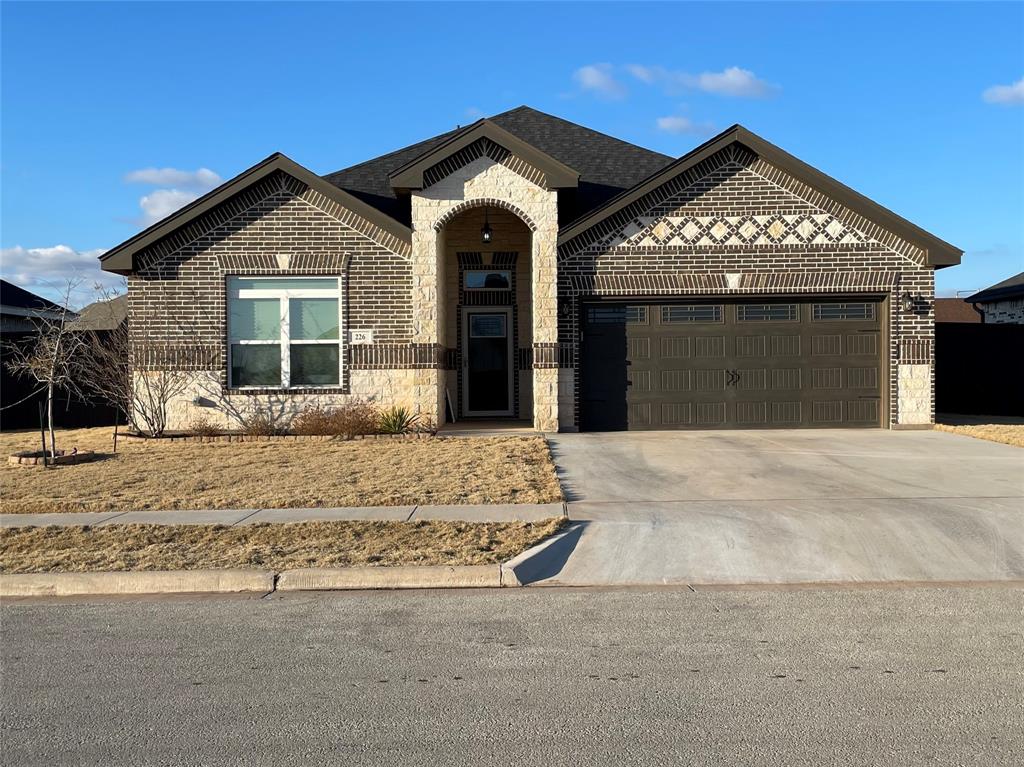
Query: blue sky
[114, 113]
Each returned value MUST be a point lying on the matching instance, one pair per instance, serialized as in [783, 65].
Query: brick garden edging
[272, 438]
[62, 458]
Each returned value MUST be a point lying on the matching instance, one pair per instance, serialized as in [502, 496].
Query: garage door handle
[734, 377]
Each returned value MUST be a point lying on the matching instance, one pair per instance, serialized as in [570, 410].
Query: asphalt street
[909, 676]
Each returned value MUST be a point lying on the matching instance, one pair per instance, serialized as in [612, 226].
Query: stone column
[545, 321]
[427, 291]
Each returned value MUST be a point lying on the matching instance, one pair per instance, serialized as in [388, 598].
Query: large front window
[284, 331]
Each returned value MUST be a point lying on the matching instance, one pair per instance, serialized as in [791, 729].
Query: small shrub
[348, 420]
[260, 423]
[201, 427]
[398, 420]
[426, 425]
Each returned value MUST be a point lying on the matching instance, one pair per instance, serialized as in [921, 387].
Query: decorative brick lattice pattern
[734, 225]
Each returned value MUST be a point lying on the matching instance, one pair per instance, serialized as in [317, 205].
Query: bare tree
[134, 369]
[50, 359]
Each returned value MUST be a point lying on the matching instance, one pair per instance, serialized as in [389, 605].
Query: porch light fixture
[485, 230]
[907, 302]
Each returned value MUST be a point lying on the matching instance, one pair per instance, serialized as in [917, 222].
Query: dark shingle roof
[103, 315]
[607, 165]
[19, 298]
[955, 310]
[1012, 286]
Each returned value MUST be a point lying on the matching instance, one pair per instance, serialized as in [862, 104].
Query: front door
[487, 362]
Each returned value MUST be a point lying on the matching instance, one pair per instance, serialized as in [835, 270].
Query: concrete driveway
[787, 507]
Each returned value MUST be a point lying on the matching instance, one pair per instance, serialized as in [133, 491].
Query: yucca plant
[398, 420]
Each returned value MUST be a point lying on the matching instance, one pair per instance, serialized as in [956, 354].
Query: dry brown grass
[230, 475]
[1008, 434]
[265, 547]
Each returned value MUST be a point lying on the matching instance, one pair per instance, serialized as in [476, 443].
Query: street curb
[522, 561]
[154, 582]
[403, 577]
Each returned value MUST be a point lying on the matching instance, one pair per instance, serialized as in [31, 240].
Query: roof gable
[937, 252]
[121, 259]
[553, 173]
[606, 165]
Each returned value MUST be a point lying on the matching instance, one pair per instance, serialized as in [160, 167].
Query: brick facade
[735, 225]
[177, 297]
[731, 225]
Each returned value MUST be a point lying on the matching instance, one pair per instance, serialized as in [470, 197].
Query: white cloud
[47, 271]
[599, 80]
[161, 203]
[733, 81]
[678, 124]
[204, 178]
[1005, 94]
[180, 187]
[642, 73]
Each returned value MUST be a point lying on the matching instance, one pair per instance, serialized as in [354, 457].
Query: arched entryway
[487, 319]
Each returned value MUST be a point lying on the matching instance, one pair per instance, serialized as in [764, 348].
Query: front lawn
[1008, 434]
[289, 474]
[266, 546]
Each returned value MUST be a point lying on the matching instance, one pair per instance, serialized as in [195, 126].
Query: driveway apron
[790, 507]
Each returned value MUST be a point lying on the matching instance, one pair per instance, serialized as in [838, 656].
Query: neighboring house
[527, 267]
[103, 315]
[955, 310]
[1003, 302]
[21, 313]
[20, 310]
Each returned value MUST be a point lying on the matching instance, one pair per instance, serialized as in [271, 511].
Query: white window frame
[285, 341]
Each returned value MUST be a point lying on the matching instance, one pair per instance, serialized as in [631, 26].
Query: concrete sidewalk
[507, 512]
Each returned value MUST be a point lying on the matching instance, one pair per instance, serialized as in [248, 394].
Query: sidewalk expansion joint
[115, 515]
[409, 518]
[247, 516]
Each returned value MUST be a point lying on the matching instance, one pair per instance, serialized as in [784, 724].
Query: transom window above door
[284, 332]
[487, 279]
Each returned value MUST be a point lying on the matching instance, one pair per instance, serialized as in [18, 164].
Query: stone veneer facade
[731, 226]
[488, 182]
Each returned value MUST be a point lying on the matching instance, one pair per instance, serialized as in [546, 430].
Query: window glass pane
[284, 283]
[636, 315]
[314, 365]
[691, 313]
[256, 365]
[845, 311]
[255, 319]
[767, 312]
[487, 326]
[484, 280]
[313, 318]
[600, 315]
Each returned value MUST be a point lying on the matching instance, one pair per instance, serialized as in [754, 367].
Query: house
[21, 313]
[103, 315]
[526, 267]
[21, 310]
[955, 310]
[1002, 302]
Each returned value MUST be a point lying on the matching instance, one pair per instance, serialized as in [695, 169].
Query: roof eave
[120, 259]
[997, 294]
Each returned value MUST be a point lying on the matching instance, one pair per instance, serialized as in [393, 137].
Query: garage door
[750, 364]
